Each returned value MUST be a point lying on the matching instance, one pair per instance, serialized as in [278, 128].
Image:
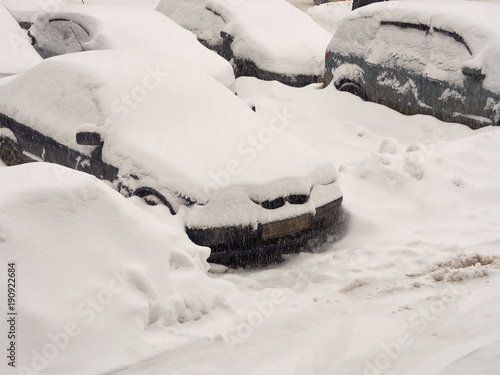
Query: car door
[452, 94]
[396, 59]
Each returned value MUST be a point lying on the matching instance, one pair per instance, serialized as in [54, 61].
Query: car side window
[399, 45]
[448, 52]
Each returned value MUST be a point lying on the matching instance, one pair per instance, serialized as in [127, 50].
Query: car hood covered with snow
[273, 33]
[165, 124]
[17, 54]
[473, 21]
[128, 28]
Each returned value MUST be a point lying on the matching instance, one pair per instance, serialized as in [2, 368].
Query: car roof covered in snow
[136, 28]
[166, 122]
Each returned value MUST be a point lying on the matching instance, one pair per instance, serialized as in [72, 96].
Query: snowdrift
[100, 279]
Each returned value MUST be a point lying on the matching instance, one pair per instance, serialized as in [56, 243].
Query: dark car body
[421, 58]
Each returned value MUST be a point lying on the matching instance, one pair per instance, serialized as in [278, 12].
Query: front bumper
[289, 234]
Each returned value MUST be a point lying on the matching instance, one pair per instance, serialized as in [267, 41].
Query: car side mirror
[226, 36]
[473, 72]
[32, 38]
[86, 138]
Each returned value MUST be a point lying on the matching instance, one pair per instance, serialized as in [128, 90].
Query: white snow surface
[129, 28]
[274, 34]
[98, 275]
[17, 54]
[53, 5]
[329, 15]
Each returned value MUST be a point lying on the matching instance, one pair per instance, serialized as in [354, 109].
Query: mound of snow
[102, 281]
[329, 15]
[17, 54]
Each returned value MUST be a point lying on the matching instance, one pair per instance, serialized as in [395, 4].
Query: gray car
[422, 58]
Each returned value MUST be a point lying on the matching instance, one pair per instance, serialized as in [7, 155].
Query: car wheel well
[246, 68]
[153, 197]
[10, 152]
[353, 88]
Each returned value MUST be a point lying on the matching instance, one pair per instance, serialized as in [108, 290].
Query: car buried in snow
[267, 39]
[432, 58]
[161, 129]
[78, 27]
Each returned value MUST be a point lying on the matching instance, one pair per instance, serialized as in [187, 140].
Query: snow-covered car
[17, 54]
[268, 39]
[159, 128]
[422, 58]
[76, 28]
[361, 3]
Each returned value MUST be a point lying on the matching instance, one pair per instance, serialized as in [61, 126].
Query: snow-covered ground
[411, 286]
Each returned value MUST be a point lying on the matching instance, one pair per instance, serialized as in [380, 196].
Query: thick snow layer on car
[192, 15]
[127, 28]
[52, 5]
[17, 54]
[166, 122]
[291, 43]
[330, 15]
[102, 281]
[475, 22]
[272, 33]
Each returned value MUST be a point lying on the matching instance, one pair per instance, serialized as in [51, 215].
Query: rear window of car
[447, 53]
